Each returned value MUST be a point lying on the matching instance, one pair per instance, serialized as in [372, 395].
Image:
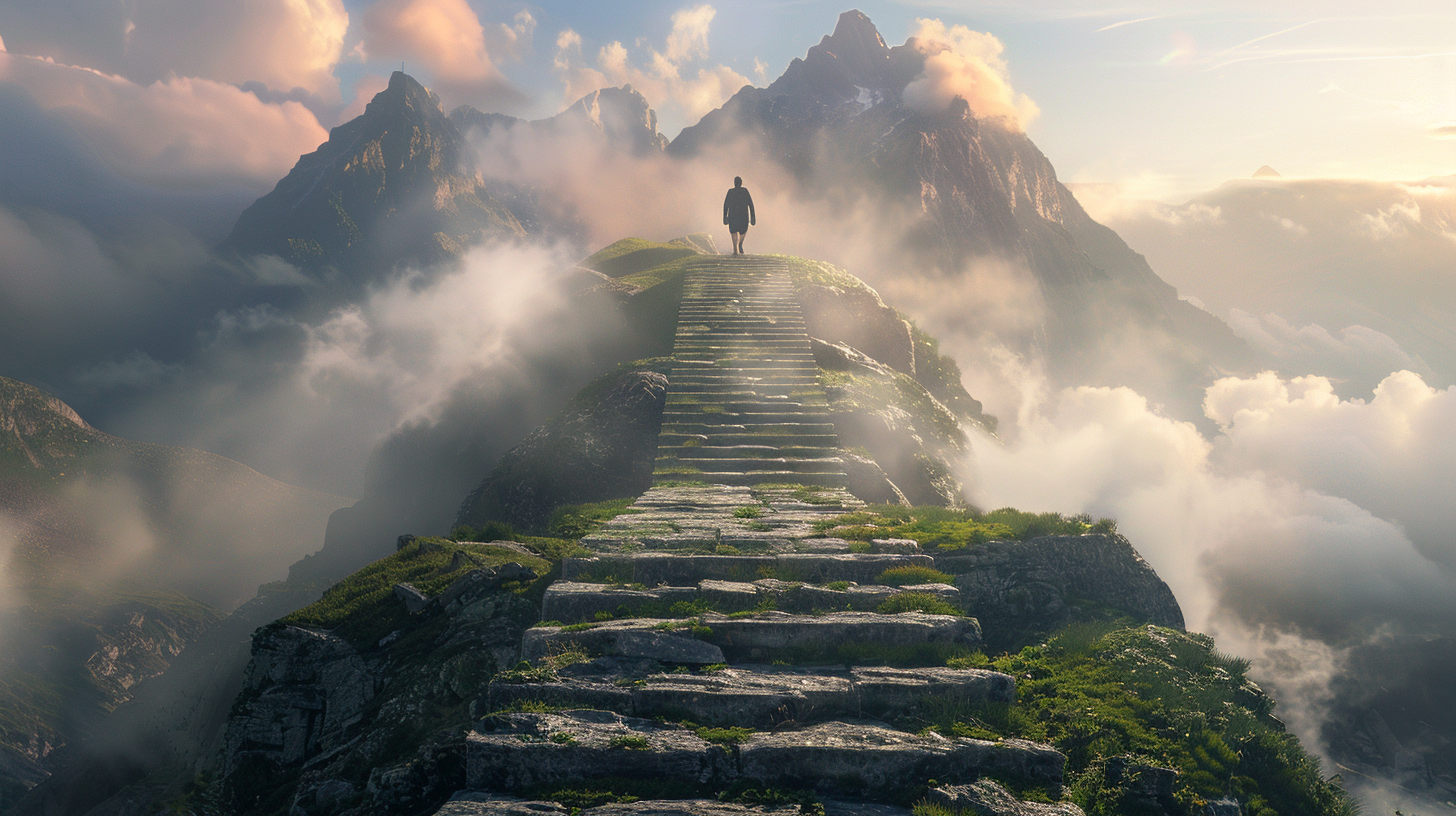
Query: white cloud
[963, 63]
[1187, 215]
[669, 82]
[1358, 353]
[182, 132]
[1394, 221]
[1295, 517]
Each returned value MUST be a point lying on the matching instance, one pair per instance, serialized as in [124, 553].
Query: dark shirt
[738, 207]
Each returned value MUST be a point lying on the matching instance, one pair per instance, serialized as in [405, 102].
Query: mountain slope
[78, 501]
[395, 185]
[955, 189]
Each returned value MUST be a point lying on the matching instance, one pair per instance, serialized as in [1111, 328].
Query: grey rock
[403, 541]
[841, 807]
[414, 600]
[763, 635]
[1147, 788]
[475, 803]
[302, 689]
[634, 638]
[1223, 807]
[895, 545]
[690, 807]
[1021, 589]
[511, 571]
[986, 798]
[884, 691]
[728, 596]
[572, 602]
[747, 698]
[520, 753]
[671, 569]
[868, 482]
[855, 757]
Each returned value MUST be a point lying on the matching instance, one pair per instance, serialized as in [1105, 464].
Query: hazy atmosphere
[1226, 319]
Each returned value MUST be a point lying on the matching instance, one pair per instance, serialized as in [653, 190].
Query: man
[738, 213]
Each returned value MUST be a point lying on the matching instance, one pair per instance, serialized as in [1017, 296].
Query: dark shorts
[735, 225]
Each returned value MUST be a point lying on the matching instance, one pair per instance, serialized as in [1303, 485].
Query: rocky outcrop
[600, 448]
[1019, 589]
[302, 690]
[986, 798]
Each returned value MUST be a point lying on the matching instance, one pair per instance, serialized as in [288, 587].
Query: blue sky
[1165, 98]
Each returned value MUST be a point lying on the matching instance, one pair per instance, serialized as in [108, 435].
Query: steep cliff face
[395, 185]
[961, 189]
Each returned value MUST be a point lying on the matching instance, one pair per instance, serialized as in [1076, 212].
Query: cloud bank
[963, 63]
[447, 37]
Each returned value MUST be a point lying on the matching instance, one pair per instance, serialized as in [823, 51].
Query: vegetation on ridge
[1158, 697]
[944, 528]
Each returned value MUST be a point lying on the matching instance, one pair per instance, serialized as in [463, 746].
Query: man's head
[737, 181]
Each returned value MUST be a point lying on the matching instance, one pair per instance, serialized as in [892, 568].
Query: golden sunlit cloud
[446, 37]
[963, 63]
[1443, 130]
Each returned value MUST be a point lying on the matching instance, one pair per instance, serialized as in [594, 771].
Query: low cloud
[181, 133]
[1297, 517]
[1359, 355]
[668, 80]
[963, 63]
[447, 37]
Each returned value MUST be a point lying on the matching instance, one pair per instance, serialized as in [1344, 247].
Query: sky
[1165, 99]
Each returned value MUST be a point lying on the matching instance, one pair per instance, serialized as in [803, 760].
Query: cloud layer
[447, 37]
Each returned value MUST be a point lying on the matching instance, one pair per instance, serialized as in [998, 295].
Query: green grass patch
[911, 575]
[361, 608]
[576, 521]
[748, 511]
[1160, 696]
[916, 602]
[949, 529]
[630, 742]
[631, 256]
[725, 736]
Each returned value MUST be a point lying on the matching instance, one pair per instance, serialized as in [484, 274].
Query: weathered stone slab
[573, 693]
[755, 699]
[986, 798]
[728, 596]
[762, 636]
[526, 750]
[864, 568]
[475, 803]
[883, 690]
[690, 807]
[570, 602]
[865, 759]
[632, 638]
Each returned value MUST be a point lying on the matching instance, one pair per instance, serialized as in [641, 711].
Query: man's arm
[752, 216]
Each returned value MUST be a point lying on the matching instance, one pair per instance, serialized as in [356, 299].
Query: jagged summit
[622, 116]
[395, 185]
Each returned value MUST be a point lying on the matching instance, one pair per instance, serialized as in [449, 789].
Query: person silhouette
[738, 213]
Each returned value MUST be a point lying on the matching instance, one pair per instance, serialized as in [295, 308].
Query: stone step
[731, 439]
[520, 752]
[572, 602]
[834, 637]
[674, 416]
[754, 465]
[748, 451]
[758, 697]
[654, 569]
[755, 478]
[763, 430]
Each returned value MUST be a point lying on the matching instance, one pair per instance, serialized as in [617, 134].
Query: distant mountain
[622, 116]
[970, 188]
[396, 185]
[1266, 172]
[80, 502]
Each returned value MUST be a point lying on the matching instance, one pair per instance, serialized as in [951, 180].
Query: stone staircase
[714, 603]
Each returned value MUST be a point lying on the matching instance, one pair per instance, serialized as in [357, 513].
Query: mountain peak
[854, 31]
[1267, 172]
[407, 91]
